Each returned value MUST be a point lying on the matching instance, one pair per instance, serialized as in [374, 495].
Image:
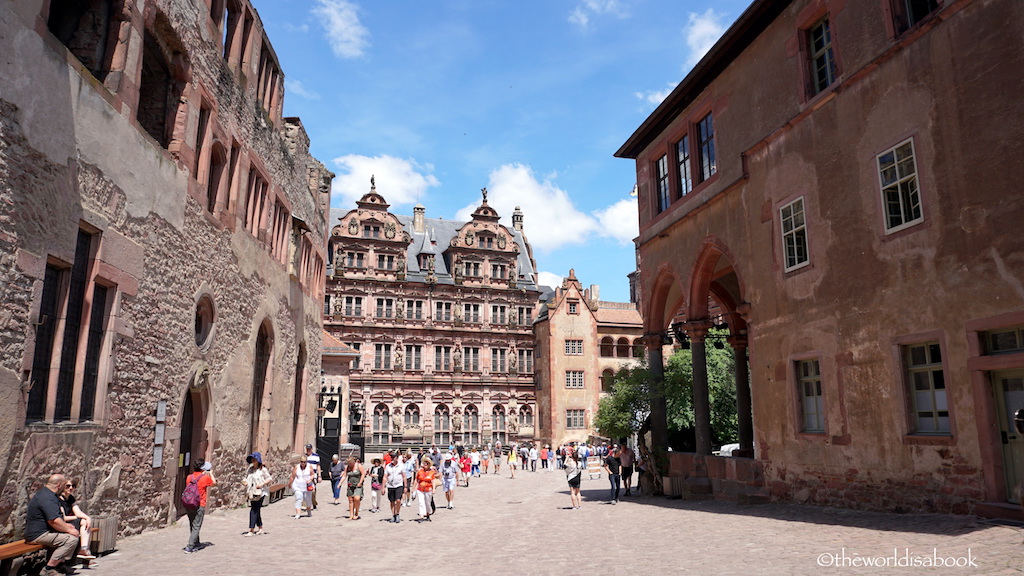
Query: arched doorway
[259, 426]
[194, 440]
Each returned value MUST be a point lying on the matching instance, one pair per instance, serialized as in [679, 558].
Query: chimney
[595, 292]
[419, 219]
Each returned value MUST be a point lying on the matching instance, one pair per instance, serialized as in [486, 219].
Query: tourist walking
[425, 478]
[612, 465]
[376, 484]
[74, 515]
[336, 471]
[534, 456]
[355, 475]
[257, 478]
[485, 458]
[466, 466]
[302, 485]
[410, 478]
[203, 479]
[513, 459]
[449, 472]
[394, 482]
[628, 459]
[314, 461]
[573, 474]
[474, 462]
[544, 457]
[497, 456]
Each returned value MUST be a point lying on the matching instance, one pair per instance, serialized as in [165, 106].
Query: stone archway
[195, 430]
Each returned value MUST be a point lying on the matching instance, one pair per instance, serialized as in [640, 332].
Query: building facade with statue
[440, 314]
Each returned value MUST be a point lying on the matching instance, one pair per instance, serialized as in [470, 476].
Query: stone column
[659, 408]
[744, 412]
[697, 331]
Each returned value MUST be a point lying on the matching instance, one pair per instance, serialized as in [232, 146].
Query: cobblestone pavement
[525, 526]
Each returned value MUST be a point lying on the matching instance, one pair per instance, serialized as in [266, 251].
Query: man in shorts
[409, 464]
[627, 458]
[449, 477]
[395, 481]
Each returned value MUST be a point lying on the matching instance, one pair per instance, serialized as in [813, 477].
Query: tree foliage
[625, 410]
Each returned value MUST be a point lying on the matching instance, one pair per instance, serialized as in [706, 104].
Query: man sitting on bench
[45, 525]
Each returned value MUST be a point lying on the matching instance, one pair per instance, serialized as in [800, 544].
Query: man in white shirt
[394, 481]
[534, 456]
[314, 462]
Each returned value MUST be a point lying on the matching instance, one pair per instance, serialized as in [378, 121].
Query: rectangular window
[472, 359]
[385, 262]
[574, 306]
[809, 383]
[354, 259]
[823, 62]
[385, 307]
[497, 271]
[382, 356]
[901, 197]
[471, 312]
[574, 347]
[443, 311]
[1004, 340]
[927, 388]
[794, 234]
[574, 419]
[574, 379]
[327, 305]
[664, 199]
[524, 316]
[498, 314]
[414, 309]
[255, 201]
[706, 147]
[355, 361]
[498, 357]
[413, 357]
[353, 305]
[442, 358]
[907, 13]
[683, 159]
[472, 269]
[74, 310]
[526, 361]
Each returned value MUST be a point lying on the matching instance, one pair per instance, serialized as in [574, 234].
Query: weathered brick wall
[60, 166]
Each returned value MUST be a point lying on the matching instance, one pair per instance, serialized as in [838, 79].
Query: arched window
[639, 350]
[218, 161]
[471, 425]
[498, 425]
[607, 380]
[412, 415]
[622, 348]
[264, 348]
[442, 425]
[381, 425]
[525, 416]
[607, 347]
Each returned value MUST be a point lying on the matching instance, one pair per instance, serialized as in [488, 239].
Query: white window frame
[899, 178]
[793, 227]
[812, 404]
[927, 388]
[574, 347]
[574, 379]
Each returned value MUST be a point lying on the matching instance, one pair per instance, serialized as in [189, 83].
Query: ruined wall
[72, 154]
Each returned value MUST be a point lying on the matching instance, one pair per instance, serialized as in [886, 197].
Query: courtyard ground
[525, 526]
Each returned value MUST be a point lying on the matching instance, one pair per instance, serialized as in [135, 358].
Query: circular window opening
[204, 321]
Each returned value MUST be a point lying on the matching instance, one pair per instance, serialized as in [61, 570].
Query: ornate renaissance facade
[440, 313]
[162, 239]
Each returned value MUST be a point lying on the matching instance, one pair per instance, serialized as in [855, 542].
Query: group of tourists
[55, 520]
[616, 461]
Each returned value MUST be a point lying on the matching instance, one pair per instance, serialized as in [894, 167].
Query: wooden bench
[11, 556]
[277, 492]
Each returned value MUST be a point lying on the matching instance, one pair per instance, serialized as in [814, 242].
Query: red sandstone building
[163, 235]
[842, 180]
[440, 314]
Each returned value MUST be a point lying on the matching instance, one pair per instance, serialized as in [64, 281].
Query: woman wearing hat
[257, 478]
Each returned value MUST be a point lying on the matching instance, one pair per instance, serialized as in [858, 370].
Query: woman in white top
[301, 482]
[573, 474]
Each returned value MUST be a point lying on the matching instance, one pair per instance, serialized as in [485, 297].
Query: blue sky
[528, 98]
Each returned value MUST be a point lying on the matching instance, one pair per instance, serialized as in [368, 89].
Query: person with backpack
[194, 497]
[449, 473]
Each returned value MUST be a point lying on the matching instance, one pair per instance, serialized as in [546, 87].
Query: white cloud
[701, 33]
[296, 87]
[620, 221]
[656, 96]
[586, 8]
[549, 279]
[399, 181]
[550, 219]
[346, 35]
[302, 28]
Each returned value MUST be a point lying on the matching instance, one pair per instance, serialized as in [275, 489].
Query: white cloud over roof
[399, 180]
